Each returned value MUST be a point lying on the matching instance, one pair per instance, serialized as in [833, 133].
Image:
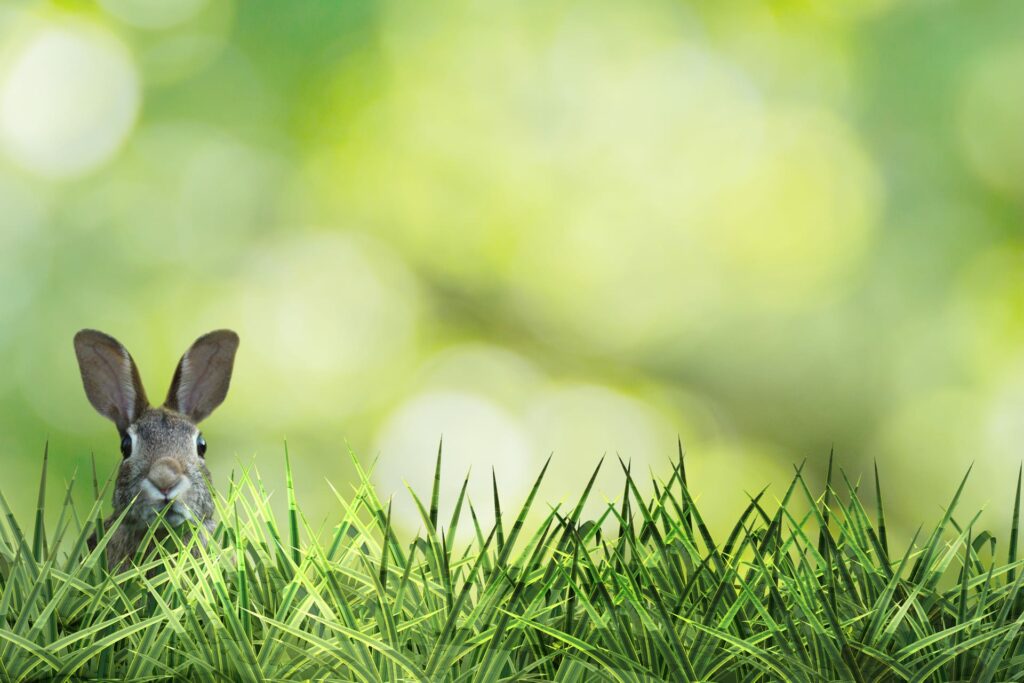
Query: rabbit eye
[200, 445]
[126, 445]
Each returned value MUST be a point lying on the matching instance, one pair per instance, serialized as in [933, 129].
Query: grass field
[805, 589]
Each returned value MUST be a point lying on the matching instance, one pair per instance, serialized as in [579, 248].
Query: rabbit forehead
[163, 432]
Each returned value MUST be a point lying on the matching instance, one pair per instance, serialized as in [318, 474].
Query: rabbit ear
[110, 377]
[201, 381]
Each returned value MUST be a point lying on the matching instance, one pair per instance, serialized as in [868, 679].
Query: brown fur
[159, 433]
[164, 473]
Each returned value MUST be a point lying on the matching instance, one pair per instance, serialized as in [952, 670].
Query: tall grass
[643, 592]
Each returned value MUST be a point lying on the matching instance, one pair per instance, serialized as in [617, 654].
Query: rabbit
[163, 451]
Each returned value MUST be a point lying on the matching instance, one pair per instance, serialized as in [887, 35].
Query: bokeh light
[479, 433]
[25, 213]
[991, 107]
[536, 229]
[330, 313]
[69, 95]
[579, 424]
[782, 224]
[152, 14]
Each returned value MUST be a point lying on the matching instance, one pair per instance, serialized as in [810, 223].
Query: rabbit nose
[165, 474]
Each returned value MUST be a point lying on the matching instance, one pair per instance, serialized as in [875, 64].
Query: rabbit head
[163, 452]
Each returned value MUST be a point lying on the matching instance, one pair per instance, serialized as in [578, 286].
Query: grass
[641, 593]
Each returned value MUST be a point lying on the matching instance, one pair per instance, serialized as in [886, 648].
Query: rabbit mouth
[153, 503]
[175, 513]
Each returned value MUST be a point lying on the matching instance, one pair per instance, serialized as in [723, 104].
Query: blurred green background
[534, 227]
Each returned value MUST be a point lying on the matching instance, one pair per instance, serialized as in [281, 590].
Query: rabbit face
[163, 451]
[164, 469]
